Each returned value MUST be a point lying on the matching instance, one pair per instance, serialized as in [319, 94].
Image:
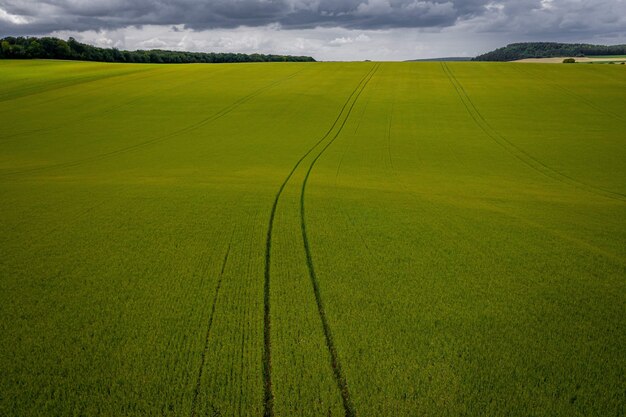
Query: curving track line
[518, 152]
[61, 84]
[196, 392]
[221, 113]
[571, 93]
[335, 362]
[108, 110]
[268, 404]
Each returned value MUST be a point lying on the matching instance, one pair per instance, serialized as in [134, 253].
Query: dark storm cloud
[523, 16]
[197, 14]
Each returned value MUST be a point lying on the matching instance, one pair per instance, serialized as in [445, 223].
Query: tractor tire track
[221, 113]
[506, 212]
[572, 94]
[61, 84]
[81, 120]
[196, 392]
[347, 216]
[147, 74]
[330, 344]
[108, 111]
[268, 402]
[518, 152]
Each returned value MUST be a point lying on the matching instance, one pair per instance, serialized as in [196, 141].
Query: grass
[608, 56]
[312, 239]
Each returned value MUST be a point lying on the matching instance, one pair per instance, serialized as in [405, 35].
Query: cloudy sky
[324, 29]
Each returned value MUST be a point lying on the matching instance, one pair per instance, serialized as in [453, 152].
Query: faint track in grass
[196, 392]
[388, 137]
[506, 212]
[347, 216]
[189, 128]
[330, 344]
[572, 94]
[61, 84]
[147, 74]
[557, 234]
[79, 121]
[268, 404]
[108, 111]
[518, 152]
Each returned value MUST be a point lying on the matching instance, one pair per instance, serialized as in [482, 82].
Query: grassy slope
[466, 227]
[476, 283]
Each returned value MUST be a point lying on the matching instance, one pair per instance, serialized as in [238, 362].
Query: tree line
[524, 50]
[55, 48]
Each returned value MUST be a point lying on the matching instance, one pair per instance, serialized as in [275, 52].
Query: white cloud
[14, 18]
[341, 41]
[494, 7]
[153, 43]
[324, 29]
[344, 40]
[327, 44]
[374, 7]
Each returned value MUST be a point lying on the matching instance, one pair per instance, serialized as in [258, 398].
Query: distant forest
[54, 48]
[517, 51]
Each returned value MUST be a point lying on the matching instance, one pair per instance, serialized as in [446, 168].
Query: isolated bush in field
[569, 61]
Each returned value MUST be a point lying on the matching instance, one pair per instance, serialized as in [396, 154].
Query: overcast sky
[324, 29]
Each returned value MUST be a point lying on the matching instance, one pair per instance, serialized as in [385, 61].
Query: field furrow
[208, 334]
[543, 80]
[516, 151]
[136, 146]
[335, 362]
[336, 126]
[439, 245]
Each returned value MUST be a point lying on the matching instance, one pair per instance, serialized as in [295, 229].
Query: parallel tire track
[268, 404]
[61, 84]
[504, 212]
[571, 93]
[330, 344]
[221, 113]
[208, 334]
[518, 152]
[79, 121]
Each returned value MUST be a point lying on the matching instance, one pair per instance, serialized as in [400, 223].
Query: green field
[369, 239]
